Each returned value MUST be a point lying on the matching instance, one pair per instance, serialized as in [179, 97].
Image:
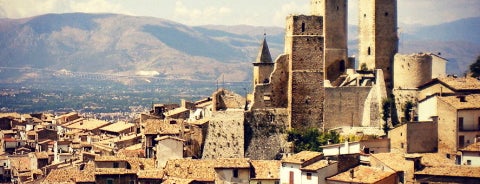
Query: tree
[475, 68]
[408, 110]
[386, 113]
[311, 139]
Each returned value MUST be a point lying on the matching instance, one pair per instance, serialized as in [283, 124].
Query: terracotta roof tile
[472, 147]
[176, 111]
[456, 171]
[461, 83]
[471, 101]
[266, 169]
[302, 157]
[201, 170]
[118, 127]
[89, 124]
[162, 127]
[150, 174]
[362, 174]
[317, 165]
[173, 180]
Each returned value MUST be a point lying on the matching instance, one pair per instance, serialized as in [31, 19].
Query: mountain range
[115, 44]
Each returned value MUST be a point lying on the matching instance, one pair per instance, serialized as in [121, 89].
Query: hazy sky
[230, 12]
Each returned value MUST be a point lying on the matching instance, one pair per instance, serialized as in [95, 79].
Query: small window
[469, 162]
[369, 51]
[235, 173]
[115, 164]
[460, 123]
[401, 145]
[303, 27]
[109, 181]
[386, 14]
[309, 176]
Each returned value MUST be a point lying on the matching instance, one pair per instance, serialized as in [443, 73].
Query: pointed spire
[264, 53]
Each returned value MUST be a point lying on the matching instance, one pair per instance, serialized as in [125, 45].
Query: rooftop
[117, 127]
[456, 83]
[317, 165]
[362, 174]
[472, 147]
[201, 170]
[302, 157]
[176, 111]
[471, 101]
[88, 124]
[162, 127]
[266, 169]
[454, 171]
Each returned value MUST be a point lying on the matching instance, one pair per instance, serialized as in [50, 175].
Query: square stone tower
[378, 37]
[334, 13]
[304, 45]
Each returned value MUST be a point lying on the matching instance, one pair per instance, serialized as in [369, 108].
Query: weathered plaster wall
[411, 71]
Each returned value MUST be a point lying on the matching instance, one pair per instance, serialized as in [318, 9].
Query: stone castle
[314, 83]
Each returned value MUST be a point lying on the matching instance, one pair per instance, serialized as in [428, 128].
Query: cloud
[18, 8]
[198, 16]
[289, 8]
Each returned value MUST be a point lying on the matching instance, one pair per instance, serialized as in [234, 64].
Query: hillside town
[395, 118]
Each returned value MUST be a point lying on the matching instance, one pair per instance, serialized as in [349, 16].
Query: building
[448, 174]
[414, 137]
[307, 167]
[449, 85]
[363, 175]
[458, 120]
[471, 155]
[265, 171]
[168, 148]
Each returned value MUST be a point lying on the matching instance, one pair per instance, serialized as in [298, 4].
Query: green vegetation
[311, 139]
[475, 68]
[386, 113]
[407, 111]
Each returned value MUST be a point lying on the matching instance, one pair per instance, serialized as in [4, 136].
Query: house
[458, 120]
[363, 175]
[151, 128]
[83, 174]
[447, 86]
[471, 155]
[306, 167]
[111, 169]
[178, 113]
[168, 148]
[448, 174]
[5, 169]
[235, 170]
[118, 128]
[414, 137]
[265, 172]
[89, 125]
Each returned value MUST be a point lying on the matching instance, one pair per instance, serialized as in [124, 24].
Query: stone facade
[335, 14]
[264, 134]
[304, 46]
[378, 40]
[350, 102]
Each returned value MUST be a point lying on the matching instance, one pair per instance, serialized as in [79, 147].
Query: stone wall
[411, 71]
[224, 99]
[274, 93]
[304, 44]
[334, 13]
[344, 106]
[378, 40]
[402, 96]
[225, 135]
[265, 137]
[422, 137]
